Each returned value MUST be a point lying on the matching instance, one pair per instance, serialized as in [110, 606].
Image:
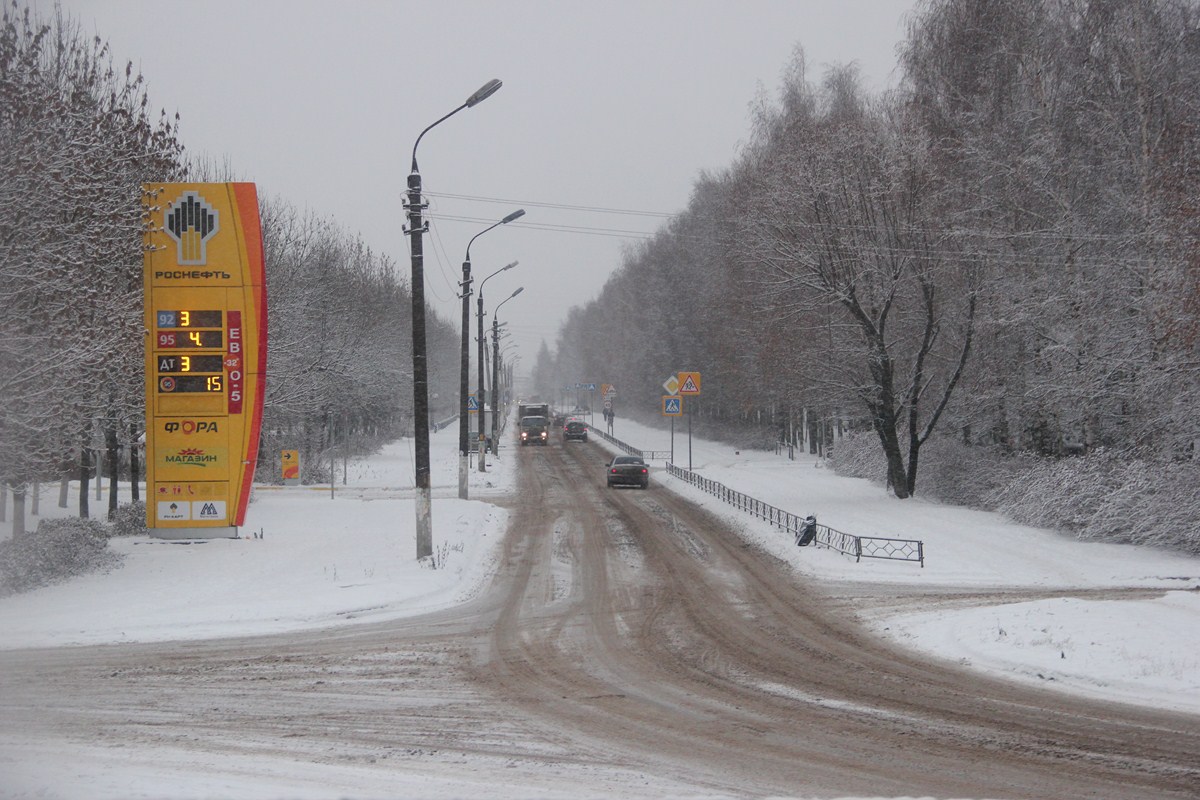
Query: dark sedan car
[575, 429]
[628, 471]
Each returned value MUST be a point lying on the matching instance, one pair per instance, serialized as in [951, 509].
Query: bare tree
[848, 217]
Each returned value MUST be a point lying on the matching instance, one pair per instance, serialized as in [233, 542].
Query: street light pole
[495, 381]
[464, 389]
[480, 391]
[496, 365]
[416, 227]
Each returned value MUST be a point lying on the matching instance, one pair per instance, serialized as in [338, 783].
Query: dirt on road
[630, 644]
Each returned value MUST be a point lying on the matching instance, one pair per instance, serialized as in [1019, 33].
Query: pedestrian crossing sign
[672, 406]
[472, 404]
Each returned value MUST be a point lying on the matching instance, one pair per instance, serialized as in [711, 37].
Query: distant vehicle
[533, 410]
[534, 430]
[628, 471]
[575, 429]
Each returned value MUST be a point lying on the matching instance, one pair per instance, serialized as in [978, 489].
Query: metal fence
[644, 455]
[858, 546]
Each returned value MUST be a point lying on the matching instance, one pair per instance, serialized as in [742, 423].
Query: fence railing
[644, 455]
[858, 546]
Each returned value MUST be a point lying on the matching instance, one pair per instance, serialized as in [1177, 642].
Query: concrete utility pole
[417, 227]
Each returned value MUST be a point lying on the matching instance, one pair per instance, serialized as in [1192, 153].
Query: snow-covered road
[1128, 630]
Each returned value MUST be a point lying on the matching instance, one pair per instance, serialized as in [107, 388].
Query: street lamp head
[510, 266]
[481, 94]
[520, 212]
[484, 92]
[518, 291]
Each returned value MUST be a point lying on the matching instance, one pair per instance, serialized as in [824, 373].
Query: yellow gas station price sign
[206, 318]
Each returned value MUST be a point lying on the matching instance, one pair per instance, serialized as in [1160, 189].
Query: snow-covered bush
[1155, 504]
[962, 474]
[58, 549]
[1061, 493]
[857, 455]
[1103, 496]
[130, 520]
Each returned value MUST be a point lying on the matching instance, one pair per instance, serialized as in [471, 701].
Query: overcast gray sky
[609, 104]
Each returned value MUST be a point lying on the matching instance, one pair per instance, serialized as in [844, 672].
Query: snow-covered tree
[77, 140]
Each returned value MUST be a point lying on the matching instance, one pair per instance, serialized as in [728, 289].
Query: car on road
[628, 471]
[535, 430]
[575, 429]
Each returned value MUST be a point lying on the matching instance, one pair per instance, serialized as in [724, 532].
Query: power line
[1078, 236]
[621, 233]
[564, 206]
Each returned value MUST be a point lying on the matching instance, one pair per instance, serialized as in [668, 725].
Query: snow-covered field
[337, 560]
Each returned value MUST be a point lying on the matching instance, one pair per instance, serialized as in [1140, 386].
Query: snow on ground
[1143, 651]
[326, 560]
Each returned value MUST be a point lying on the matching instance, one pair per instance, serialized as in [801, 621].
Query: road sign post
[689, 385]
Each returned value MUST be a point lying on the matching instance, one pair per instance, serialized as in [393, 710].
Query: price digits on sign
[191, 383]
[190, 363]
[189, 319]
[191, 339]
[179, 330]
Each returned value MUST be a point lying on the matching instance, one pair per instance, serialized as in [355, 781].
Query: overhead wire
[986, 234]
[443, 262]
[545, 226]
[564, 206]
[971, 255]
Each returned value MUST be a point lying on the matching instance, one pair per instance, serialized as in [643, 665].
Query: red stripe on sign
[256, 291]
[235, 364]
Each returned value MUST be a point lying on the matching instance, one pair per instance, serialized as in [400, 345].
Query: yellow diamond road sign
[671, 385]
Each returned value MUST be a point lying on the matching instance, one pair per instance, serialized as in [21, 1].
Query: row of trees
[339, 367]
[1005, 249]
[77, 141]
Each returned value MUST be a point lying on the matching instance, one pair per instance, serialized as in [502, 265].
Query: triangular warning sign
[689, 383]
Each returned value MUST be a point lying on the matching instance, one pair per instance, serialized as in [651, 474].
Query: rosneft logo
[191, 222]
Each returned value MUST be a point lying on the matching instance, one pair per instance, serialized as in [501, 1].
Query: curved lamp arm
[520, 212]
[481, 94]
